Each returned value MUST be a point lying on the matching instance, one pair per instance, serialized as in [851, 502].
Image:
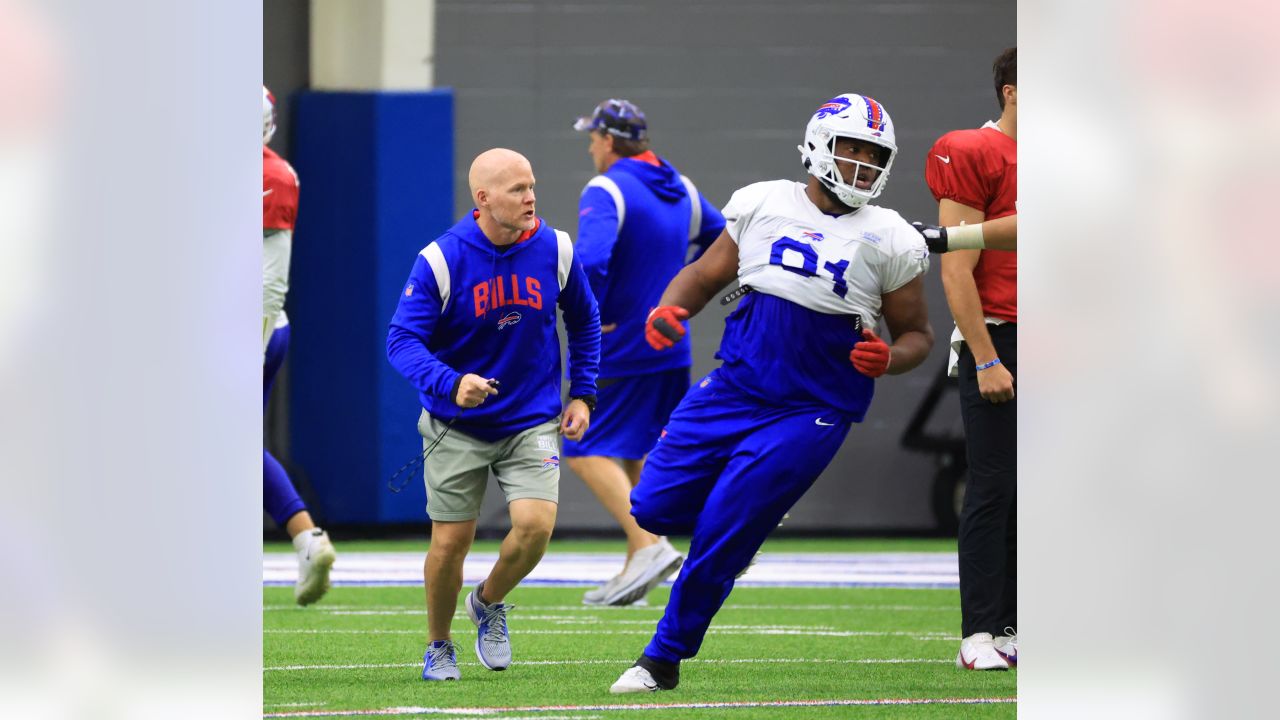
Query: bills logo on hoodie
[508, 320]
[505, 290]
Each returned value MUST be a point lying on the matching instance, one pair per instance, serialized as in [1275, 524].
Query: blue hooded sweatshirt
[629, 268]
[473, 307]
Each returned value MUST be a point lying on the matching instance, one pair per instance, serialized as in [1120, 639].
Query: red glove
[871, 356]
[663, 329]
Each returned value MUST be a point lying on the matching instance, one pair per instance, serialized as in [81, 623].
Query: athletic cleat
[493, 644]
[440, 662]
[315, 559]
[648, 568]
[1007, 646]
[648, 675]
[978, 652]
[635, 680]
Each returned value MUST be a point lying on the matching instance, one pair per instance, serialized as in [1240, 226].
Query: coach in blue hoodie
[475, 333]
[636, 222]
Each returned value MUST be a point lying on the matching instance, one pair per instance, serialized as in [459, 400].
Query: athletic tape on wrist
[965, 237]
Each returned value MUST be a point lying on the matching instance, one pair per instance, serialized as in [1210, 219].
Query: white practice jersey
[789, 248]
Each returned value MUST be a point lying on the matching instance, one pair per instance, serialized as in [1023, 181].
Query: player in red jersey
[974, 176]
[279, 213]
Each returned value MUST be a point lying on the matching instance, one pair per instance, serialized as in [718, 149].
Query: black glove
[934, 236]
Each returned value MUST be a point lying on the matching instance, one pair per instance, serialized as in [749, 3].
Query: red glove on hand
[663, 329]
[871, 356]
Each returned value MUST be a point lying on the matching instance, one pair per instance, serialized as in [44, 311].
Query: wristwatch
[588, 400]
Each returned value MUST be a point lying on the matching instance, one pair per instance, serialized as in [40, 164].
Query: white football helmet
[268, 115]
[850, 116]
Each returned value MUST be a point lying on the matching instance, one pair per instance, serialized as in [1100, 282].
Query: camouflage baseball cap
[616, 117]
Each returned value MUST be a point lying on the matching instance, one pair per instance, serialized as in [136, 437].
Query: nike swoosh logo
[944, 158]
[267, 192]
[651, 687]
[818, 421]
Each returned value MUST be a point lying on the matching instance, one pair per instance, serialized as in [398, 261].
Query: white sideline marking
[404, 569]
[750, 630]
[653, 706]
[624, 661]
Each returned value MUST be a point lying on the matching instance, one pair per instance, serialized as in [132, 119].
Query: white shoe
[315, 559]
[596, 595]
[635, 680]
[1007, 646]
[648, 568]
[978, 652]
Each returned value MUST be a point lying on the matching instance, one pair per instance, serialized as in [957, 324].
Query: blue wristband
[987, 365]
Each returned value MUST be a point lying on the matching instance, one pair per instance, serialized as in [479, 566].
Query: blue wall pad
[376, 175]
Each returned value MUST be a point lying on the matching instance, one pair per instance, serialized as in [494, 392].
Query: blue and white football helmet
[850, 116]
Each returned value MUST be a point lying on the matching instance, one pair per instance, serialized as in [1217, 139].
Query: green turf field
[361, 649]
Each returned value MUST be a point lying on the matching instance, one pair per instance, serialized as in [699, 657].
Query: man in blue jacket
[636, 221]
[475, 333]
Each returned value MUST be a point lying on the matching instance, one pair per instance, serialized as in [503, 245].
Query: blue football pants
[278, 494]
[726, 470]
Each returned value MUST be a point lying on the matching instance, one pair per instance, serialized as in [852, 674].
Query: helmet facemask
[848, 116]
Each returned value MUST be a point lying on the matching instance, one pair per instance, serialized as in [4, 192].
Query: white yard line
[736, 630]
[482, 711]
[622, 662]
[417, 608]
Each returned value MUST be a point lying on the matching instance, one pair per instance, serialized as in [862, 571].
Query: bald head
[493, 168]
[501, 183]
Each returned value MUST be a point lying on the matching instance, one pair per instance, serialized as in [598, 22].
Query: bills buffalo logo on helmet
[509, 319]
[834, 106]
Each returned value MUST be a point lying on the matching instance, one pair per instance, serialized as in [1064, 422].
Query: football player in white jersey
[800, 357]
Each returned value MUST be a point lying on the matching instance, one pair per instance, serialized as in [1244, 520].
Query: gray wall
[727, 88]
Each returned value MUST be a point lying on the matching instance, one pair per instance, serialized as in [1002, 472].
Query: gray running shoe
[596, 596]
[440, 662]
[493, 645]
[648, 568]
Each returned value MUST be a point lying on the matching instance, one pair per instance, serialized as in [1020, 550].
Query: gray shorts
[526, 465]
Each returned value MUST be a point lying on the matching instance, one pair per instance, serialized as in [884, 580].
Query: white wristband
[965, 237]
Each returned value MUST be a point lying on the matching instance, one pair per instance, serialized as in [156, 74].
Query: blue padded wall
[376, 175]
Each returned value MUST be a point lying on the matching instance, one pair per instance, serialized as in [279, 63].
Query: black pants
[988, 542]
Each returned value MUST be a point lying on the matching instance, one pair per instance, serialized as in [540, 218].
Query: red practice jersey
[279, 192]
[979, 169]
